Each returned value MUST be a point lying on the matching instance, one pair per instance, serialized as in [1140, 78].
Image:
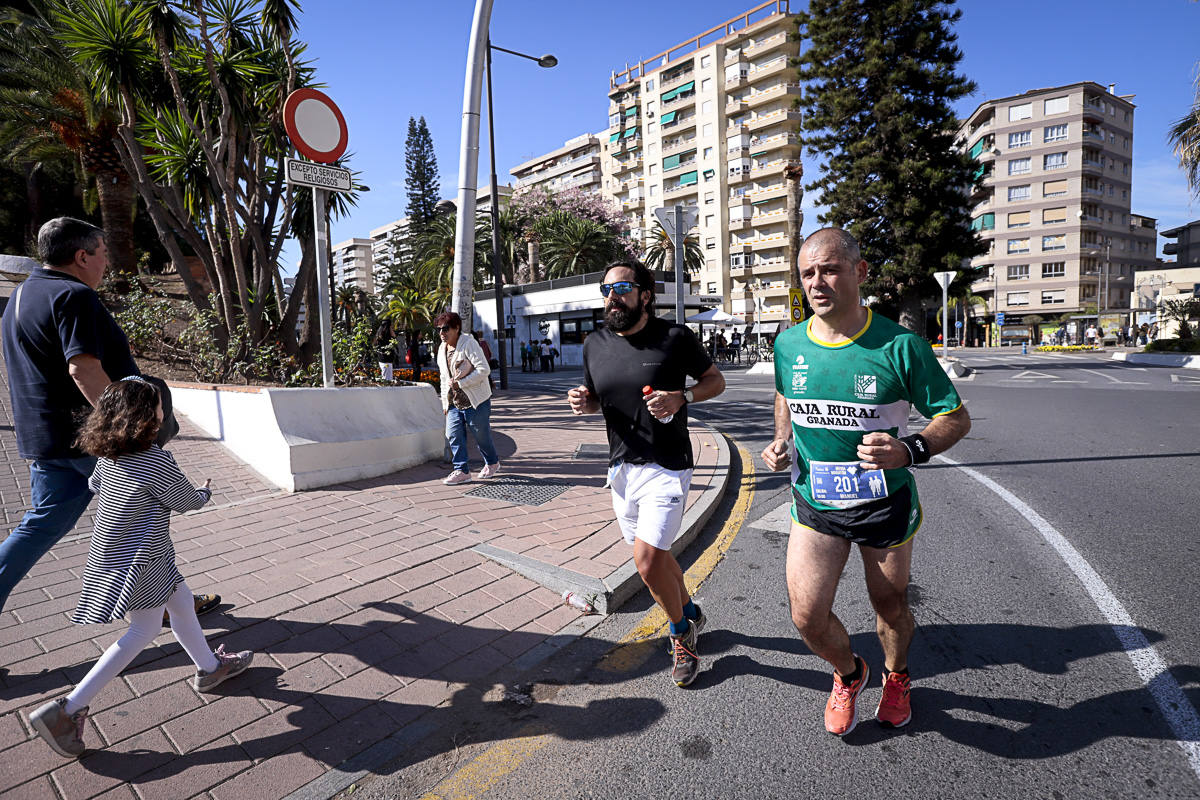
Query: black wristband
[918, 449]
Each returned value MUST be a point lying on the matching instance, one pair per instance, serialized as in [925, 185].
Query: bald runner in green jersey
[836, 393]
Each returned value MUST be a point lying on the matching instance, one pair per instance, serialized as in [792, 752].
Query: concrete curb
[1180, 360]
[622, 583]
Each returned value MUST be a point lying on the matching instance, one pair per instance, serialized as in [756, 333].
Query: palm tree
[48, 112]
[1181, 311]
[793, 175]
[412, 306]
[572, 245]
[660, 252]
[1184, 136]
[433, 252]
[345, 304]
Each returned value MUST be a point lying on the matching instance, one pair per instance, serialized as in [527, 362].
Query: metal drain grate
[591, 451]
[520, 491]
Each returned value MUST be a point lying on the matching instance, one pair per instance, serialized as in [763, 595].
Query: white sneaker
[489, 470]
[458, 476]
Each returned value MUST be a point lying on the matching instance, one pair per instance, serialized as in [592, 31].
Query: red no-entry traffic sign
[315, 125]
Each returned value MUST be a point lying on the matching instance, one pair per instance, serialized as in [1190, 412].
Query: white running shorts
[649, 501]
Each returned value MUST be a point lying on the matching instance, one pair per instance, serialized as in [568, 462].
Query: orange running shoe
[894, 709]
[841, 712]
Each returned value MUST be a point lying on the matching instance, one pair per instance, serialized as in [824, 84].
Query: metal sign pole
[680, 268]
[321, 226]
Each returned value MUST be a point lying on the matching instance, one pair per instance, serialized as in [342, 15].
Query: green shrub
[1191, 345]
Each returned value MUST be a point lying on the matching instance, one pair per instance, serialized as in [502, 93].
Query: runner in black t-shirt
[650, 461]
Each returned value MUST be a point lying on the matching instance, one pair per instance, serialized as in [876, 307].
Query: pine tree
[421, 181]
[880, 78]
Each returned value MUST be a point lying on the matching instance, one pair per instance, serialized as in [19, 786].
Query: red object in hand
[647, 391]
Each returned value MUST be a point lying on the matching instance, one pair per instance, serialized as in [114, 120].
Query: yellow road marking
[484, 771]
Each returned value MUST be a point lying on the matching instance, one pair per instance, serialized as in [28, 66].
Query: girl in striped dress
[130, 571]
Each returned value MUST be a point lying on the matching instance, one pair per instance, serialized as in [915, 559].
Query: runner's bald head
[836, 239]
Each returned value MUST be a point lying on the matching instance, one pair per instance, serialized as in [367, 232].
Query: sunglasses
[443, 328]
[622, 288]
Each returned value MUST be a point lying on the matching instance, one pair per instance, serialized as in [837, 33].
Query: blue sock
[690, 611]
[680, 628]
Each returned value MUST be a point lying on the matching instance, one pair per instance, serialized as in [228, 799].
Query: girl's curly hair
[124, 421]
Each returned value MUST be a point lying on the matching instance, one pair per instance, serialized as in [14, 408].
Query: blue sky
[383, 61]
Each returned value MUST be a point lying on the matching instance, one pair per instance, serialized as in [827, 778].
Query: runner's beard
[620, 318]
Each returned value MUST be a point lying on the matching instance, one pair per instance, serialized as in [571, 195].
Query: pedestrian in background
[466, 399]
[61, 347]
[544, 351]
[524, 356]
[130, 570]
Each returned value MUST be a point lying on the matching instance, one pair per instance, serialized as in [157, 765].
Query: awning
[687, 87]
[629, 112]
[628, 134]
[668, 118]
[688, 178]
[614, 137]
[766, 327]
[670, 162]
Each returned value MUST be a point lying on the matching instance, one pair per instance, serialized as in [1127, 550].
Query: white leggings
[144, 625]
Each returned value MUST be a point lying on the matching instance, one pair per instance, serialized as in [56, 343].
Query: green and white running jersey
[838, 393]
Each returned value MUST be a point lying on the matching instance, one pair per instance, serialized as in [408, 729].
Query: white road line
[1111, 378]
[1172, 702]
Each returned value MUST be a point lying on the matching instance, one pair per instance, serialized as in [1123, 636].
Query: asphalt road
[1023, 687]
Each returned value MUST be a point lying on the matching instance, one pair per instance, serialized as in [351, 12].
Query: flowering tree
[539, 214]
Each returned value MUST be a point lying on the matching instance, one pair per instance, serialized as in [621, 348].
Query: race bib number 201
[843, 484]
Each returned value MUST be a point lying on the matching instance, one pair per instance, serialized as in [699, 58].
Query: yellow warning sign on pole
[796, 304]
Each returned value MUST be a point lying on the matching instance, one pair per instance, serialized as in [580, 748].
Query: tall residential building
[1057, 168]
[711, 123]
[1186, 247]
[574, 165]
[384, 242]
[353, 264]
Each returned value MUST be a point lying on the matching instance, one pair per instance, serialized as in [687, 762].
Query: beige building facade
[354, 264]
[575, 165]
[1054, 203]
[711, 123]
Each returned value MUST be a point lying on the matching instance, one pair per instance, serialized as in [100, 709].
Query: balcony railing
[680, 165]
[678, 143]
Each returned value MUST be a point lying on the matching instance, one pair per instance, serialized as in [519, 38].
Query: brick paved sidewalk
[365, 602]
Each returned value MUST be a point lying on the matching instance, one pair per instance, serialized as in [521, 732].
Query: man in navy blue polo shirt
[62, 348]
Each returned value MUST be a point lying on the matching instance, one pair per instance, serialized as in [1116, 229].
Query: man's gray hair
[62, 237]
[845, 245]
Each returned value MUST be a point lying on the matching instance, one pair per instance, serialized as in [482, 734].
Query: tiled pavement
[365, 604]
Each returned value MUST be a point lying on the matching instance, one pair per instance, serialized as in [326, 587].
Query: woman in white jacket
[466, 398]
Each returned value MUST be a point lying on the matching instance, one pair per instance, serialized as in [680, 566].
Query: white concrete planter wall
[306, 438]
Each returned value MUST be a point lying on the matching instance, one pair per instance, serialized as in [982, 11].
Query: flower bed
[1065, 348]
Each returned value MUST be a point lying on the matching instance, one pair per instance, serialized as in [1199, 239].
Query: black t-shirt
[615, 368]
[55, 317]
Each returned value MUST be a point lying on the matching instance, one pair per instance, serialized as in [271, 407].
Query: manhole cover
[521, 491]
[591, 451]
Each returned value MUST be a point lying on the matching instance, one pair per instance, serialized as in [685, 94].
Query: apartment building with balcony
[1053, 202]
[1186, 244]
[354, 264]
[710, 123]
[574, 165]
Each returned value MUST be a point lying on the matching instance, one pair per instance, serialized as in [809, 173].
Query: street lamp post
[545, 61]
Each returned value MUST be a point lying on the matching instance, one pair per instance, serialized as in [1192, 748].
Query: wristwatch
[688, 397]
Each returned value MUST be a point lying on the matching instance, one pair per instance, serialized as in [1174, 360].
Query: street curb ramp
[622, 583]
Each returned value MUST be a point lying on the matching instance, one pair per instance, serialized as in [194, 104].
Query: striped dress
[131, 563]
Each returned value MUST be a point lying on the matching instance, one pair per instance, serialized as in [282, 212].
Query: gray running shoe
[228, 665]
[62, 731]
[687, 662]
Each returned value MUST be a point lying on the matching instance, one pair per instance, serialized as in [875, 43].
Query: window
[1020, 139]
[650, 126]
[654, 167]
[1018, 272]
[707, 153]
[707, 130]
[1018, 113]
[653, 190]
[1054, 269]
[1127, 116]
[1019, 166]
[738, 259]
[1057, 105]
[1054, 297]
[1018, 219]
[704, 62]
[984, 222]
[706, 107]
[1019, 246]
[1018, 193]
[1055, 242]
[1054, 188]
[708, 220]
[614, 120]
[650, 85]
[1125, 144]
[705, 84]
[1018, 298]
[710, 243]
[1054, 133]
[1053, 216]
[1054, 161]
[1125, 168]
[709, 198]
